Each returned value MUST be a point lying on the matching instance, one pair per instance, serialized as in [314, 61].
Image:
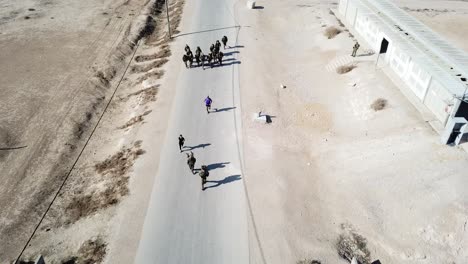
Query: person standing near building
[355, 49]
[181, 142]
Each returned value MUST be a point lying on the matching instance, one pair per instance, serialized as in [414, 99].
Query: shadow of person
[215, 166]
[226, 64]
[230, 53]
[230, 59]
[223, 181]
[224, 109]
[198, 146]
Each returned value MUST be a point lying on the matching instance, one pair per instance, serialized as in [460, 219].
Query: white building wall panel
[398, 61]
[342, 7]
[417, 79]
[351, 12]
[438, 100]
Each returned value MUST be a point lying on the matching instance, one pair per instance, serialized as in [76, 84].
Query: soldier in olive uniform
[355, 49]
[191, 161]
[203, 175]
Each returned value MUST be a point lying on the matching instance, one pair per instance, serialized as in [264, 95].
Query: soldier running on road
[210, 58]
[220, 58]
[224, 40]
[203, 175]
[212, 47]
[216, 50]
[181, 142]
[191, 161]
[208, 102]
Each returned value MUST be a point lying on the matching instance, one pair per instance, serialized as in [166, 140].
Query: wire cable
[79, 155]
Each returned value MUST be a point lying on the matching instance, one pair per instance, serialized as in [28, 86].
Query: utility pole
[168, 24]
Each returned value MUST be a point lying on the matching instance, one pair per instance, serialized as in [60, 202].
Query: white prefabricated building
[433, 70]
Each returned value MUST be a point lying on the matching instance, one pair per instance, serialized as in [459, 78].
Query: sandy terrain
[447, 18]
[61, 63]
[329, 164]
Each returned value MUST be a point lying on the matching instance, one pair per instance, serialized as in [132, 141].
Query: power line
[79, 155]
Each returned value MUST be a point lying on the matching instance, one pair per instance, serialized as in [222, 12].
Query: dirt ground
[61, 61]
[347, 157]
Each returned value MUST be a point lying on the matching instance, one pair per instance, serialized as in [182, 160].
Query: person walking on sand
[224, 40]
[191, 161]
[208, 102]
[355, 49]
[181, 142]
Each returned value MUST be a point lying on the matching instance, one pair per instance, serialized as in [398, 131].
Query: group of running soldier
[190, 157]
[191, 160]
[214, 56]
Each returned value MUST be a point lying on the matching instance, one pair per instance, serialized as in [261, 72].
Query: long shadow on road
[224, 109]
[215, 166]
[197, 146]
[224, 181]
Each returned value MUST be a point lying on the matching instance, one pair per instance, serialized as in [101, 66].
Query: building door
[383, 46]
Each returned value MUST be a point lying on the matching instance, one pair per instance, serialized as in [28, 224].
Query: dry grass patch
[309, 261]
[331, 32]
[145, 95]
[350, 244]
[163, 53]
[134, 120]
[345, 68]
[148, 67]
[114, 185]
[152, 74]
[379, 104]
[92, 251]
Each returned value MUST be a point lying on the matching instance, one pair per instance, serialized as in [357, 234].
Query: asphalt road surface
[183, 223]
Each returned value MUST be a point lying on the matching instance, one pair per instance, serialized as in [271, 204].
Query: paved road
[185, 224]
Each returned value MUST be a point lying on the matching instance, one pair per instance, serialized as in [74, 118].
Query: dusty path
[185, 224]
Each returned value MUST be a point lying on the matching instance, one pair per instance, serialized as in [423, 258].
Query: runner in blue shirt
[208, 102]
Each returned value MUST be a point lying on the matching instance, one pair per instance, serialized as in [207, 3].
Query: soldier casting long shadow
[224, 181]
[217, 165]
[198, 146]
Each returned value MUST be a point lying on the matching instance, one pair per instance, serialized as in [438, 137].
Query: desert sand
[329, 165]
[78, 81]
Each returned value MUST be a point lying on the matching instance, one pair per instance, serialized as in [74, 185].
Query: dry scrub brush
[379, 104]
[114, 172]
[134, 120]
[309, 261]
[91, 251]
[331, 32]
[345, 68]
[351, 244]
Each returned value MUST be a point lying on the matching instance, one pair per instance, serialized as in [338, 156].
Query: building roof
[433, 52]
